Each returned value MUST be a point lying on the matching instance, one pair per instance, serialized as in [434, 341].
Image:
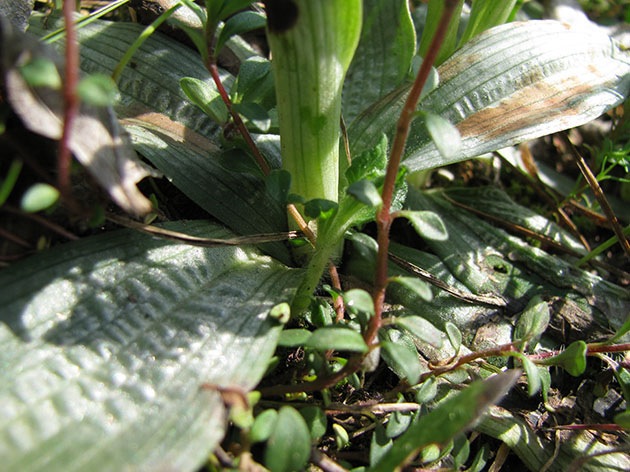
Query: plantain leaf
[383, 58]
[512, 83]
[107, 344]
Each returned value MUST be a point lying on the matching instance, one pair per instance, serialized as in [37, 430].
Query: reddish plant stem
[591, 349]
[71, 99]
[384, 218]
[590, 427]
[336, 284]
[262, 162]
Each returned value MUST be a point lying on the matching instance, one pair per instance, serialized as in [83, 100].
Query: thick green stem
[312, 44]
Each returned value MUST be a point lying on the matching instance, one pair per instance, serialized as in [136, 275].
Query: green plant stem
[384, 217]
[310, 58]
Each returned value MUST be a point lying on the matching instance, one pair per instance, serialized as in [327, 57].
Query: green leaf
[623, 419]
[41, 72]
[533, 321]
[238, 24]
[510, 84]
[320, 208]
[434, 12]
[366, 192]
[278, 183]
[445, 136]
[119, 343]
[421, 329]
[454, 335]
[398, 423]
[572, 359]
[289, 446]
[401, 355]
[255, 115]
[449, 418]
[534, 381]
[254, 83]
[418, 286]
[336, 338]
[359, 300]
[39, 197]
[484, 15]
[379, 444]
[206, 97]
[294, 337]
[621, 332]
[427, 224]
[342, 439]
[427, 390]
[369, 164]
[383, 58]
[316, 421]
[98, 90]
[264, 425]
[229, 7]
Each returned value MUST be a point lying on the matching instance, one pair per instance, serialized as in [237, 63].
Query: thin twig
[202, 242]
[599, 195]
[492, 300]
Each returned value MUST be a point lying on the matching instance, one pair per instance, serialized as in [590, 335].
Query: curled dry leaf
[97, 140]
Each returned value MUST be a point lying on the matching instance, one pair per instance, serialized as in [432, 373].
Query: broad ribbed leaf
[191, 162]
[383, 58]
[107, 344]
[512, 83]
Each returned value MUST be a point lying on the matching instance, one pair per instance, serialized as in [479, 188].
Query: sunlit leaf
[427, 224]
[360, 300]
[419, 287]
[39, 197]
[572, 359]
[124, 370]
